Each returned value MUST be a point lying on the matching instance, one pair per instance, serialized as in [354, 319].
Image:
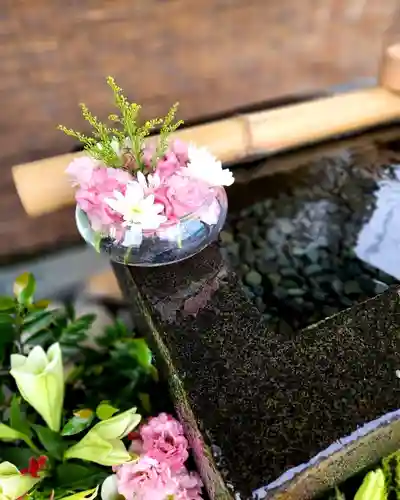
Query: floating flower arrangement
[146, 200]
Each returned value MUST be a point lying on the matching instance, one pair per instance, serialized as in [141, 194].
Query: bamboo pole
[232, 140]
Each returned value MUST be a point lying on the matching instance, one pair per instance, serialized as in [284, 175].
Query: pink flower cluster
[178, 193]
[160, 473]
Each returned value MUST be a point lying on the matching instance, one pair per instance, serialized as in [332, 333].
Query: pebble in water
[294, 250]
[253, 278]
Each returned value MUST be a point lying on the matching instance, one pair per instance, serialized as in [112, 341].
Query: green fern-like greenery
[121, 144]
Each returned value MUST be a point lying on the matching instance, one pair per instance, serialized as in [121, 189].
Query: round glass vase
[173, 242]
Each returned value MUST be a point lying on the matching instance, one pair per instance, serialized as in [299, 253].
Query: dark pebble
[312, 269]
[296, 292]
[258, 290]
[226, 237]
[352, 288]
[253, 278]
[274, 278]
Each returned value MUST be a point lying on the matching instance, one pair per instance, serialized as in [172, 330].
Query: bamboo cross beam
[242, 136]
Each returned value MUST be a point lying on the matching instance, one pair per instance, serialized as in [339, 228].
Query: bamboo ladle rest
[243, 136]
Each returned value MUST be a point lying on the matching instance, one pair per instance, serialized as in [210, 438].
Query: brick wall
[212, 55]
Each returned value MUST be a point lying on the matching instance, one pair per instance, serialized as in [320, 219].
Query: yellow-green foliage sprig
[126, 132]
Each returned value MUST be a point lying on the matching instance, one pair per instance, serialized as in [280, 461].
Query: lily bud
[13, 484]
[102, 444]
[109, 488]
[119, 426]
[94, 448]
[40, 380]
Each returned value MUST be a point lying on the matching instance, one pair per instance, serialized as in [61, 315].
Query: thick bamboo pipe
[234, 139]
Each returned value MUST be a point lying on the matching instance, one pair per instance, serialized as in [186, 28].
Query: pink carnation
[163, 440]
[180, 149]
[167, 166]
[146, 479]
[81, 170]
[183, 195]
[96, 184]
[189, 485]
[176, 156]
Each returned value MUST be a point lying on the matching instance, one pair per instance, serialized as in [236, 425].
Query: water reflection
[321, 238]
[379, 240]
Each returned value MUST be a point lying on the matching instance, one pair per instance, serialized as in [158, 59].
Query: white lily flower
[136, 208]
[109, 488]
[40, 380]
[204, 166]
[102, 444]
[13, 484]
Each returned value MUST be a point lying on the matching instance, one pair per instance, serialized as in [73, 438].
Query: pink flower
[147, 479]
[180, 149]
[163, 440]
[147, 156]
[183, 195]
[190, 485]
[81, 170]
[167, 166]
[96, 184]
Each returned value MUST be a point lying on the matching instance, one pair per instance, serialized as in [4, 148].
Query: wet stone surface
[258, 401]
[295, 245]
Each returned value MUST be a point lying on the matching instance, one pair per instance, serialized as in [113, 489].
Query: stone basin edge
[342, 459]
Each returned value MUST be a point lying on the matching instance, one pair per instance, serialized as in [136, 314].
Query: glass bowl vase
[172, 242]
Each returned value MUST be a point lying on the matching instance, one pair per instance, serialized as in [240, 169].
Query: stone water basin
[315, 231]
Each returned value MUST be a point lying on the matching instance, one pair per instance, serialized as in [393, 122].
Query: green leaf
[139, 349]
[145, 400]
[81, 495]
[7, 303]
[7, 328]
[17, 455]
[76, 330]
[51, 441]
[38, 321]
[24, 288]
[41, 304]
[9, 434]
[373, 486]
[97, 241]
[18, 420]
[79, 422]
[105, 411]
[338, 494]
[77, 476]
[154, 373]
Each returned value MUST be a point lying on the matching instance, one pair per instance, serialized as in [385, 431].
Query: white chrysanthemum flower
[139, 212]
[204, 166]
